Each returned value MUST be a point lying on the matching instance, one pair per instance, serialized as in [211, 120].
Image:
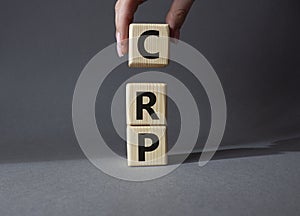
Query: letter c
[141, 44]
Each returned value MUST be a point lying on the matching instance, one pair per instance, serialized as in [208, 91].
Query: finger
[124, 13]
[176, 16]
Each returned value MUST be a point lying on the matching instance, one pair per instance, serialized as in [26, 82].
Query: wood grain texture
[153, 44]
[151, 158]
[159, 108]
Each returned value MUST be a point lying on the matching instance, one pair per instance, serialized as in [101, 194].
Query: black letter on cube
[141, 44]
[142, 148]
[140, 106]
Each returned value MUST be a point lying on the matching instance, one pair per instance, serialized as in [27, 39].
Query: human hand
[124, 14]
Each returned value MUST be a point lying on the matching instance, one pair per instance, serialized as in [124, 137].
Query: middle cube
[146, 104]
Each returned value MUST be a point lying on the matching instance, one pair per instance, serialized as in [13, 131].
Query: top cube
[148, 45]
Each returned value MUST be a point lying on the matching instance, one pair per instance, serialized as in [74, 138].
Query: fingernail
[124, 47]
[119, 48]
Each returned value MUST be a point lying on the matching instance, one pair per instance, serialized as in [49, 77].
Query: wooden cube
[148, 45]
[146, 145]
[146, 104]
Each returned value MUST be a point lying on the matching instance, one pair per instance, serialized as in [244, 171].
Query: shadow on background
[275, 148]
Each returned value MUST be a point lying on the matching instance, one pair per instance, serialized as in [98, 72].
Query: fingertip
[124, 47]
[175, 37]
[177, 34]
[119, 45]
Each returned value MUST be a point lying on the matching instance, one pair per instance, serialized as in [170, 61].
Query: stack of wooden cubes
[146, 103]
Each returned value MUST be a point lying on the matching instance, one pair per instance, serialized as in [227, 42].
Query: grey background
[253, 46]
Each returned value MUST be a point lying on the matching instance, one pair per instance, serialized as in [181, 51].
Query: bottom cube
[146, 145]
